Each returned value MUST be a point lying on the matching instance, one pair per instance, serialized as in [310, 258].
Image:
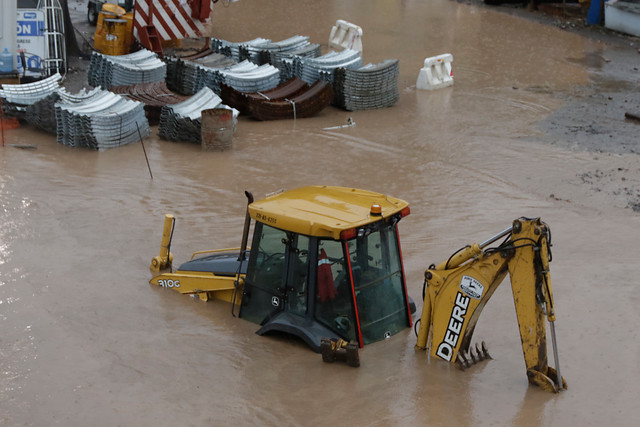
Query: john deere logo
[471, 287]
[275, 301]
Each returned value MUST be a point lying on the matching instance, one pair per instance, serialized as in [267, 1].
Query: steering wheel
[270, 259]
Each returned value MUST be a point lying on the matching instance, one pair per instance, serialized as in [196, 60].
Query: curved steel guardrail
[101, 120]
[30, 93]
[369, 87]
[183, 121]
[142, 66]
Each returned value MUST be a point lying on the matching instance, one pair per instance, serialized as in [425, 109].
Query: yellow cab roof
[322, 211]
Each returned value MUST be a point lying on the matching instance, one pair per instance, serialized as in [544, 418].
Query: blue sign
[30, 41]
[30, 28]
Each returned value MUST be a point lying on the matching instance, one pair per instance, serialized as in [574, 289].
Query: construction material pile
[310, 51]
[274, 53]
[264, 51]
[142, 66]
[183, 121]
[239, 51]
[241, 100]
[305, 104]
[213, 70]
[100, 119]
[186, 75]
[313, 69]
[42, 114]
[368, 87]
[153, 95]
[290, 100]
[16, 97]
[245, 77]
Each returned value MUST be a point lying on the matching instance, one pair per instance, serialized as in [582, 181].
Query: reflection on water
[86, 341]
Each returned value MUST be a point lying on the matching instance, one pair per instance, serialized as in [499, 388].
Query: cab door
[277, 274]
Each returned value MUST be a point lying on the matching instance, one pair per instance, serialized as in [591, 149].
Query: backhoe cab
[324, 262]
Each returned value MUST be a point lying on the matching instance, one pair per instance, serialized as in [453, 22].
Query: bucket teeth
[474, 356]
[485, 352]
[470, 357]
[462, 362]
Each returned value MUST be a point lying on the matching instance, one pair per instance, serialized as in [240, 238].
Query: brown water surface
[84, 340]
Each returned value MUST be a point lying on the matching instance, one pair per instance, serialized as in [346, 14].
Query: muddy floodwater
[85, 340]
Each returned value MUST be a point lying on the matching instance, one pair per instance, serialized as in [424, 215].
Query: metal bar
[496, 237]
[147, 158]
[560, 383]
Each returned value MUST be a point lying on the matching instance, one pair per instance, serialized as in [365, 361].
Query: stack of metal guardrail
[175, 66]
[368, 87]
[303, 104]
[153, 95]
[101, 120]
[239, 51]
[16, 97]
[42, 114]
[313, 69]
[312, 50]
[142, 66]
[189, 76]
[272, 53]
[245, 77]
[264, 51]
[186, 75]
[183, 121]
[242, 100]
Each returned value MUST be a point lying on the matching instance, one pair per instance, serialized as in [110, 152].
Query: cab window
[378, 282]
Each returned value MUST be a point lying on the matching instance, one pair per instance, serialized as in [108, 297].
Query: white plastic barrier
[436, 73]
[345, 35]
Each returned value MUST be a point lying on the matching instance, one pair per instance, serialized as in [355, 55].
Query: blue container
[6, 61]
[593, 15]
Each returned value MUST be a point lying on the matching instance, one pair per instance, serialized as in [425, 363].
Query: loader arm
[457, 290]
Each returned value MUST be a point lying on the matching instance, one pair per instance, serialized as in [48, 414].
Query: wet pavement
[86, 341]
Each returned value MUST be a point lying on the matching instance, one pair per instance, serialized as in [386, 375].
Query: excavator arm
[457, 290]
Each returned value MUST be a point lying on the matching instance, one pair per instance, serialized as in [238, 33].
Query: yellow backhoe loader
[325, 265]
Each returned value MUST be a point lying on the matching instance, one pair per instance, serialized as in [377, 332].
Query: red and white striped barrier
[172, 19]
